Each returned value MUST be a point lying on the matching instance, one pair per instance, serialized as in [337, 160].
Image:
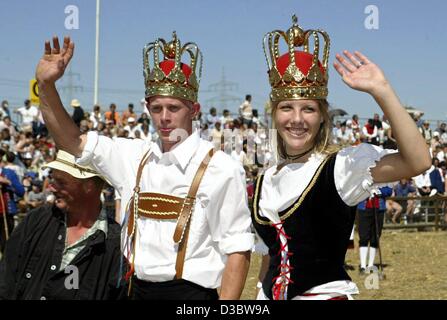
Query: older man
[188, 223]
[69, 250]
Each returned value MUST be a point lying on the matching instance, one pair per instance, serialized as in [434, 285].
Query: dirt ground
[415, 268]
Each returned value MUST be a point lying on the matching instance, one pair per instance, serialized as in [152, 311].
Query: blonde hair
[323, 141]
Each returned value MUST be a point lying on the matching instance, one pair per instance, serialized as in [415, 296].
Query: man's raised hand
[53, 63]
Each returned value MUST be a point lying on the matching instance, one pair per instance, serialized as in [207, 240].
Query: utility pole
[95, 95]
[222, 89]
[70, 87]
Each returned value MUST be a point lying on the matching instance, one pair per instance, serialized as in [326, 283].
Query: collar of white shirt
[181, 153]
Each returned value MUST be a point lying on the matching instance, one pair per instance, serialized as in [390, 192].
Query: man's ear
[195, 109]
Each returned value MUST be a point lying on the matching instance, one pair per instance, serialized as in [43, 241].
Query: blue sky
[410, 45]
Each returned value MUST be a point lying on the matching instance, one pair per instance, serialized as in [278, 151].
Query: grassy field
[415, 267]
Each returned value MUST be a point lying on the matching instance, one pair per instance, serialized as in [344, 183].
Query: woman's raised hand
[359, 73]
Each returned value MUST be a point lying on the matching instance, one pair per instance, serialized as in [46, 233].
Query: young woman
[304, 207]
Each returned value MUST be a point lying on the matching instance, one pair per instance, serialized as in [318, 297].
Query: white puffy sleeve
[260, 247]
[352, 172]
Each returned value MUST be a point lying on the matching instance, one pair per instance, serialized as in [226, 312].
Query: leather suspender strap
[131, 222]
[182, 229]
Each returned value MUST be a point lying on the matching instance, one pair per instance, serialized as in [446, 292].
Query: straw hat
[66, 162]
[75, 103]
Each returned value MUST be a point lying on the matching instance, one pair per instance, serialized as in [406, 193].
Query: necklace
[296, 157]
[291, 159]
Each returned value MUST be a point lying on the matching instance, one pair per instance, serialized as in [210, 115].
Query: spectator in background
[368, 211]
[256, 120]
[217, 135]
[112, 115]
[344, 135]
[85, 126]
[246, 110]
[405, 189]
[380, 131]
[426, 131]
[35, 198]
[128, 114]
[205, 133]
[7, 141]
[131, 127]
[442, 153]
[145, 119]
[435, 142]
[417, 118]
[423, 182]
[11, 188]
[4, 109]
[355, 124]
[29, 115]
[14, 164]
[78, 112]
[144, 131]
[226, 118]
[212, 118]
[393, 209]
[370, 132]
[7, 124]
[96, 117]
[441, 129]
[437, 178]
[335, 129]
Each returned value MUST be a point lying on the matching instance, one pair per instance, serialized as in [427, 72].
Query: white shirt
[220, 222]
[423, 180]
[96, 118]
[245, 110]
[28, 115]
[353, 181]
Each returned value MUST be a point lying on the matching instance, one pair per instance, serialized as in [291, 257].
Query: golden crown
[171, 77]
[297, 74]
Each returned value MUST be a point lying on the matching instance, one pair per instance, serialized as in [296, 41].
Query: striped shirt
[71, 251]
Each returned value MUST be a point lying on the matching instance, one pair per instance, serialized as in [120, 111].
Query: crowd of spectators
[25, 147]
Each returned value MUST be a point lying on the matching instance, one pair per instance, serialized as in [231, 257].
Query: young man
[69, 250]
[188, 223]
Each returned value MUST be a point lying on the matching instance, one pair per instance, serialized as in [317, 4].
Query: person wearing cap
[187, 223]
[131, 127]
[67, 250]
[304, 207]
[426, 132]
[78, 112]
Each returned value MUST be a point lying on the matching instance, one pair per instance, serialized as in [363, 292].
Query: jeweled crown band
[298, 93]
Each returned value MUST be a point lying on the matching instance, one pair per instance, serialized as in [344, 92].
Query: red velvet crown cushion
[303, 61]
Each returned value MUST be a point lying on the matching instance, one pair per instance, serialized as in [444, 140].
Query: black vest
[319, 224]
